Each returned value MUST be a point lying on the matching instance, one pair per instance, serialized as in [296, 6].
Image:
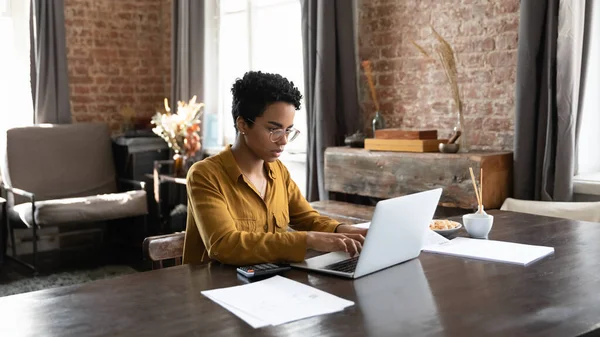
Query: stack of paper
[490, 250]
[276, 300]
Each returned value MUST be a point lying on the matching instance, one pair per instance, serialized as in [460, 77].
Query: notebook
[490, 250]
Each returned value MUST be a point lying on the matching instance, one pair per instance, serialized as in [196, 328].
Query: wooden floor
[69, 260]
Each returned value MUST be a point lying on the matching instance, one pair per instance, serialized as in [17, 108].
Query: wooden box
[405, 134]
[404, 145]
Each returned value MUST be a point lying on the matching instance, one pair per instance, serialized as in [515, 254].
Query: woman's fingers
[340, 244]
[359, 246]
[350, 243]
[358, 237]
[352, 246]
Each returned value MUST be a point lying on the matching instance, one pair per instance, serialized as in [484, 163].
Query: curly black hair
[253, 93]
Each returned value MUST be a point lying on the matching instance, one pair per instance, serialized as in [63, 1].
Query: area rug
[61, 279]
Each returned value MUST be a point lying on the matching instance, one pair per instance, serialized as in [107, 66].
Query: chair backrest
[164, 247]
[60, 161]
[582, 211]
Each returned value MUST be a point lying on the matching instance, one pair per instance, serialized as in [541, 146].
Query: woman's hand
[349, 229]
[335, 242]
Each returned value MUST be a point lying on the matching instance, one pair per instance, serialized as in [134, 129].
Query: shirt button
[266, 227]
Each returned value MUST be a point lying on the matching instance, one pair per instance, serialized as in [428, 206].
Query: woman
[241, 201]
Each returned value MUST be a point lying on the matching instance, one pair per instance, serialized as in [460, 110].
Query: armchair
[64, 174]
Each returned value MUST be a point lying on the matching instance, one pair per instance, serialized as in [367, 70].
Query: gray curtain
[331, 95]
[549, 69]
[49, 74]
[187, 51]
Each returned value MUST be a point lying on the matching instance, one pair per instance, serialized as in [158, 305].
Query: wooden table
[383, 175]
[433, 295]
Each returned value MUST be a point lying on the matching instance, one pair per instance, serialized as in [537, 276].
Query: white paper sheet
[433, 238]
[275, 301]
[362, 225]
[248, 318]
[491, 250]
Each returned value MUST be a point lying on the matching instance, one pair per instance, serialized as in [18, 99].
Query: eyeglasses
[276, 135]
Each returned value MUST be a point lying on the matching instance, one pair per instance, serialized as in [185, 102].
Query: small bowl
[448, 232]
[478, 225]
[449, 148]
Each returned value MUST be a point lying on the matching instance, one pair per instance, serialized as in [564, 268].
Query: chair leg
[145, 227]
[35, 247]
[11, 232]
[14, 257]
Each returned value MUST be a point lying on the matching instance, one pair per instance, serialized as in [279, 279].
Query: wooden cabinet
[389, 174]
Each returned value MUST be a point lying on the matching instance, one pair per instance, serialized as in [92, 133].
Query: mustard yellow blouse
[229, 222]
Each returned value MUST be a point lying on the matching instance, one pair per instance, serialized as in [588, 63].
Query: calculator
[262, 269]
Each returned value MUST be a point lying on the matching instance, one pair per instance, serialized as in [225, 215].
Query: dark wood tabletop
[432, 295]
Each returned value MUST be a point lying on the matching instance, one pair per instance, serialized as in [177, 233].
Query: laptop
[395, 235]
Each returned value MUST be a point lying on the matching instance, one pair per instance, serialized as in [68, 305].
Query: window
[245, 35]
[588, 160]
[260, 35]
[15, 82]
[587, 180]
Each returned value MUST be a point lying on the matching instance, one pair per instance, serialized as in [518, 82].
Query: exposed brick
[507, 41]
[414, 90]
[483, 76]
[81, 90]
[388, 80]
[78, 80]
[118, 53]
[472, 60]
[506, 7]
[481, 44]
[504, 24]
[502, 59]
[473, 28]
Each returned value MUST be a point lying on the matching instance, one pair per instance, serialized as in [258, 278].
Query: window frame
[215, 95]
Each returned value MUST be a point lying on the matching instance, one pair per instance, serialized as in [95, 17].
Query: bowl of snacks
[444, 227]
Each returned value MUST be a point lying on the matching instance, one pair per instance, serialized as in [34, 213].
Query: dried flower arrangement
[377, 122]
[180, 129]
[445, 54]
[366, 64]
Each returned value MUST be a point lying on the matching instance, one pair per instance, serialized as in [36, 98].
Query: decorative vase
[378, 122]
[179, 165]
[459, 136]
[460, 128]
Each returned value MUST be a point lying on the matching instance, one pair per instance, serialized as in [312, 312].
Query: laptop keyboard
[345, 266]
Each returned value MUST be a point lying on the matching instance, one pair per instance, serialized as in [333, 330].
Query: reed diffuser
[478, 224]
[478, 191]
[378, 122]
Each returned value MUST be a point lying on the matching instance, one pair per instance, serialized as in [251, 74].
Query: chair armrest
[158, 164]
[164, 162]
[162, 247]
[20, 192]
[140, 185]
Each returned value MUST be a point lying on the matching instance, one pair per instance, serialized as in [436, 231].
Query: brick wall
[118, 54]
[413, 91]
